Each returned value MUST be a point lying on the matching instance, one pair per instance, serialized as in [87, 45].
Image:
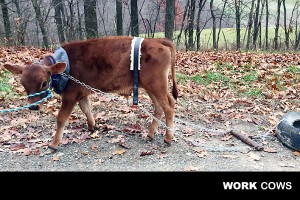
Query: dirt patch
[246, 92]
[120, 144]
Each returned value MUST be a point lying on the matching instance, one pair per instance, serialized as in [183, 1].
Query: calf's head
[36, 78]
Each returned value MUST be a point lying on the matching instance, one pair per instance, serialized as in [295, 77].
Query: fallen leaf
[202, 154]
[269, 150]
[227, 137]
[103, 99]
[27, 152]
[162, 155]
[118, 139]
[230, 156]
[125, 109]
[175, 139]
[124, 145]
[191, 169]
[119, 152]
[146, 153]
[55, 158]
[187, 131]
[296, 153]
[133, 129]
[94, 146]
[65, 140]
[286, 165]
[273, 120]
[198, 149]
[19, 121]
[108, 127]
[85, 136]
[95, 135]
[16, 147]
[254, 156]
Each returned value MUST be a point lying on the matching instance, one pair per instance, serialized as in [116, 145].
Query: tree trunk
[214, 28]
[276, 45]
[6, 22]
[259, 23]
[79, 22]
[90, 18]
[220, 22]
[250, 22]
[198, 31]
[59, 12]
[183, 20]
[20, 24]
[71, 34]
[190, 28]
[169, 19]
[286, 29]
[237, 4]
[41, 22]
[256, 24]
[119, 17]
[134, 18]
[295, 29]
[267, 25]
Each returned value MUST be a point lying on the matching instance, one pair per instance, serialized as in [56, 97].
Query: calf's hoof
[149, 138]
[168, 144]
[51, 150]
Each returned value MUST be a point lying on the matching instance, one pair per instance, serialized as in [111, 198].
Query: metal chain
[84, 85]
[201, 128]
[161, 123]
[179, 121]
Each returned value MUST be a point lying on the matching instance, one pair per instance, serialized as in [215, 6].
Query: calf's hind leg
[167, 103]
[85, 106]
[158, 111]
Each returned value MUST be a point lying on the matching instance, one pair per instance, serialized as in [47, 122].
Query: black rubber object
[288, 130]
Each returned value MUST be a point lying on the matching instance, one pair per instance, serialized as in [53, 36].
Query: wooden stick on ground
[246, 140]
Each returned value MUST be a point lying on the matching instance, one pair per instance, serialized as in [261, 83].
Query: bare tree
[119, 17]
[250, 22]
[276, 45]
[214, 28]
[220, 22]
[134, 18]
[41, 19]
[59, 18]
[198, 31]
[190, 27]
[79, 21]
[90, 18]
[237, 6]
[183, 20]
[169, 19]
[256, 24]
[267, 25]
[6, 21]
[286, 29]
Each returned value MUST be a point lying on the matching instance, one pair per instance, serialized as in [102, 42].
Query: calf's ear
[14, 69]
[58, 68]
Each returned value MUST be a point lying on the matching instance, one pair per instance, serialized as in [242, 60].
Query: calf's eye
[44, 84]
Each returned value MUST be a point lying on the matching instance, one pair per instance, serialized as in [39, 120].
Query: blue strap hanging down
[137, 41]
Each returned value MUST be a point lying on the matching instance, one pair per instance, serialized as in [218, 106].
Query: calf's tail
[170, 44]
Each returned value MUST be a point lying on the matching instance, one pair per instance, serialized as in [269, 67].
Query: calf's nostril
[34, 107]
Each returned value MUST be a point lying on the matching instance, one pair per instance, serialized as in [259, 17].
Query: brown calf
[104, 64]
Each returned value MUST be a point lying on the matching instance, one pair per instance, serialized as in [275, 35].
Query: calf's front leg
[62, 119]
